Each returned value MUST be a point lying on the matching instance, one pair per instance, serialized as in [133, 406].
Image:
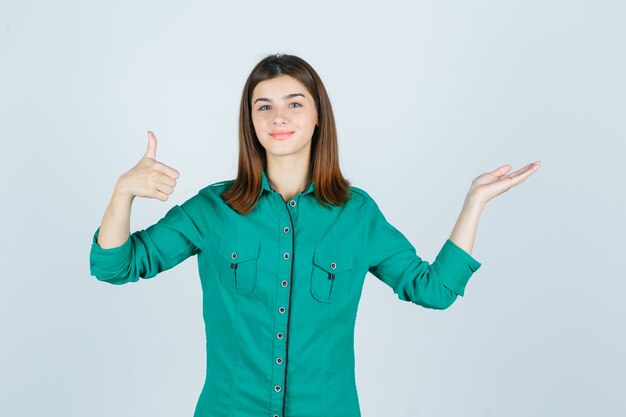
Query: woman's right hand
[149, 178]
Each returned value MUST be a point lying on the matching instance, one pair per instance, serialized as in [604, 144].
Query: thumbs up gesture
[149, 178]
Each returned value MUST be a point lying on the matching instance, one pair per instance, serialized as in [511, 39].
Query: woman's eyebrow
[287, 97]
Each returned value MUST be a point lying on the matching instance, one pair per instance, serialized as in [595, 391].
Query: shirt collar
[266, 185]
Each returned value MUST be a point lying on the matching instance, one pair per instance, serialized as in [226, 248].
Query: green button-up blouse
[281, 287]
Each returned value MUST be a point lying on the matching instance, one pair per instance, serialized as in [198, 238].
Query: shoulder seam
[216, 184]
[361, 192]
[220, 183]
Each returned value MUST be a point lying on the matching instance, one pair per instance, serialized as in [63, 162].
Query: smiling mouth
[281, 136]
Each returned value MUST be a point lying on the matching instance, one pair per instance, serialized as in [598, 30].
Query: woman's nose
[279, 117]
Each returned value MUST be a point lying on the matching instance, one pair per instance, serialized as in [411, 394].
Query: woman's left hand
[488, 185]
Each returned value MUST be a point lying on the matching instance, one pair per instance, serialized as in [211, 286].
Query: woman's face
[283, 104]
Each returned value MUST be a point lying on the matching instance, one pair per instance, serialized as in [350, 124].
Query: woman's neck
[288, 179]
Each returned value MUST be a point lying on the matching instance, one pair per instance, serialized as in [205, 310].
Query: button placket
[285, 247]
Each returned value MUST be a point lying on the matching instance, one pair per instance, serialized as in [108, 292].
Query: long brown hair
[330, 185]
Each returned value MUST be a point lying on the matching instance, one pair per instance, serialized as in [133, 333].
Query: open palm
[488, 185]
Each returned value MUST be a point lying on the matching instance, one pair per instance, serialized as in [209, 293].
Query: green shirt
[281, 288]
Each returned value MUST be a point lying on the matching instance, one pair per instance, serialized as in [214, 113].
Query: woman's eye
[262, 107]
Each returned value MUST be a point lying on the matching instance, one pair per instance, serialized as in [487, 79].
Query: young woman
[283, 251]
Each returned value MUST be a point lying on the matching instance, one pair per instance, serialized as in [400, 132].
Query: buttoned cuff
[455, 267]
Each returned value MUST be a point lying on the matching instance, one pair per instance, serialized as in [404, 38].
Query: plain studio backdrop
[427, 96]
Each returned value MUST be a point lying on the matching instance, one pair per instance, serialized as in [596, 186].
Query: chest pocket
[332, 274]
[238, 264]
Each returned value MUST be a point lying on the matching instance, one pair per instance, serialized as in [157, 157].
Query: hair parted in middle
[330, 185]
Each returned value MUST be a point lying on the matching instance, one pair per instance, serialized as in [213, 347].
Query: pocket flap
[236, 250]
[333, 260]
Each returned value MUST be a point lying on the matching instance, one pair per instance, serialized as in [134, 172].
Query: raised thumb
[152, 144]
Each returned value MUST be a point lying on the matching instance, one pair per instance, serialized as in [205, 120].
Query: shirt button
[286, 230]
[292, 203]
[233, 255]
[275, 415]
[277, 388]
[281, 310]
[279, 360]
[333, 265]
[286, 255]
[284, 283]
[279, 335]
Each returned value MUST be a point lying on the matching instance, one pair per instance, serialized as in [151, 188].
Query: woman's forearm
[115, 227]
[464, 231]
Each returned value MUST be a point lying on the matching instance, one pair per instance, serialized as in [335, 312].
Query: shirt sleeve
[393, 260]
[163, 245]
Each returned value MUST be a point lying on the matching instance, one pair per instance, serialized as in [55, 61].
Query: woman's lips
[281, 136]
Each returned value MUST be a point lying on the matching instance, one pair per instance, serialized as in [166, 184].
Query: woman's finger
[167, 170]
[521, 171]
[167, 180]
[521, 175]
[165, 188]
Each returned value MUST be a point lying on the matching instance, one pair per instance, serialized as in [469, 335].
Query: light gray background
[427, 96]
